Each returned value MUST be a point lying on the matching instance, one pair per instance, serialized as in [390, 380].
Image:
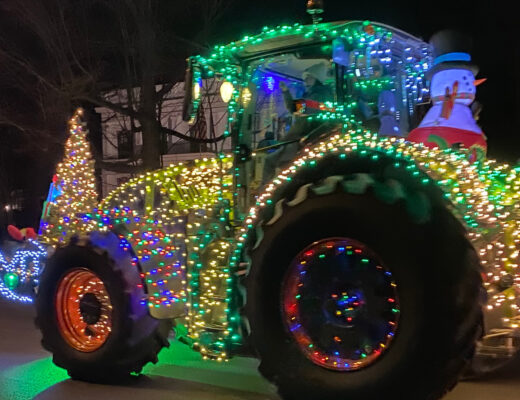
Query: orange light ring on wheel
[74, 329]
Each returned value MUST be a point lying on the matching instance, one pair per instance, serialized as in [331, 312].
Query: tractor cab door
[282, 91]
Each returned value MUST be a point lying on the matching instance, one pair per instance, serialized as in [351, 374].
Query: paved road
[27, 372]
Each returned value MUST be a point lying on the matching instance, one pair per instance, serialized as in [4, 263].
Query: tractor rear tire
[437, 279]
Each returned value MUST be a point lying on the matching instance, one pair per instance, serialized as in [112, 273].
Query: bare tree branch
[61, 62]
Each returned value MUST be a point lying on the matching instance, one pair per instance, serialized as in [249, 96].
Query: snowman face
[447, 78]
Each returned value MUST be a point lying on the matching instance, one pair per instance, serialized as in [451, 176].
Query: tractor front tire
[91, 314]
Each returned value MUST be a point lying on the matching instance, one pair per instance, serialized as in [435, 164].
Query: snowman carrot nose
[477, 82]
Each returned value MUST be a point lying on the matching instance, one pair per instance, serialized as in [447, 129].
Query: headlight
[196, 90]
[226, 91]
[246, 97]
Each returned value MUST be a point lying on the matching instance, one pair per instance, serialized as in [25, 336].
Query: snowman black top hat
[451, 49]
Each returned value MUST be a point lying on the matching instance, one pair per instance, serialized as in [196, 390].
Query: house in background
[120, 143]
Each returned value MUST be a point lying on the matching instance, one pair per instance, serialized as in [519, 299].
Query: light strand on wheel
[338, 321]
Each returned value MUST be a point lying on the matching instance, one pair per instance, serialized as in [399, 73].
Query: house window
[124, 144]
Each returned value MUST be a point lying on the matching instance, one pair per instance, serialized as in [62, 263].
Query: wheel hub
[340, 304]
[83, 310]
[344, 306]
[90, 308]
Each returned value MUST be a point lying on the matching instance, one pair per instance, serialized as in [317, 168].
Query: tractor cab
[352, 72]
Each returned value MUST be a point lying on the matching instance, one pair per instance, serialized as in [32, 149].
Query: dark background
[492, 24]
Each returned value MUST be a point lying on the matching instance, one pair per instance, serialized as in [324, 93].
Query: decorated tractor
[352, 262]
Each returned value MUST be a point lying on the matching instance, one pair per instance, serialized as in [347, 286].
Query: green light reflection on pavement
[26, 381]
[179, 362]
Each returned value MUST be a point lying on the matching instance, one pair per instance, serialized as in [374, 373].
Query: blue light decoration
[22, 270]
[269, 83]
[55, 191]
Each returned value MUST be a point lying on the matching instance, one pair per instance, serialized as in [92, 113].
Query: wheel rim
[340, 304]
[84, 310]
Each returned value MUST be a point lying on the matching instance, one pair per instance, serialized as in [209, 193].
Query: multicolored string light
[21, 270]
[483, 196]
[333, 329]
[172, 219]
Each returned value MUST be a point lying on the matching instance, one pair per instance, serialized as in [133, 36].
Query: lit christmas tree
[73, 190]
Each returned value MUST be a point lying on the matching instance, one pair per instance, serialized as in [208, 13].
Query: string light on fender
[484, 196]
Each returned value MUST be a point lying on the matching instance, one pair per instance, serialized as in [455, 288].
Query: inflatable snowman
[450, 122]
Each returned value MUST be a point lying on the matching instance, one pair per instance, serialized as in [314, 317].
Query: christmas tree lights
[77, 183]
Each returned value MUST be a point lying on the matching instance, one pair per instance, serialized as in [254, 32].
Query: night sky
[492, 24]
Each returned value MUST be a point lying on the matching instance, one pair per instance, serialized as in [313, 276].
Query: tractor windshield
[374, 86]
[364, 73]
[286, 89]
